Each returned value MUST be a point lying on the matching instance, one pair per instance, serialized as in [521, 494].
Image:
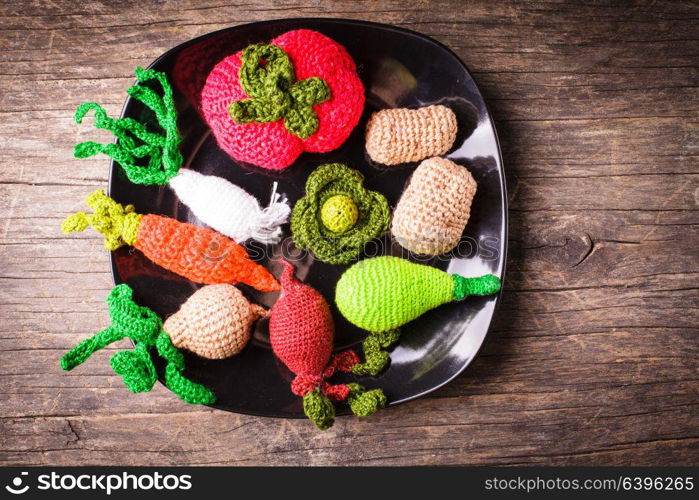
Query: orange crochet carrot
[197, 253]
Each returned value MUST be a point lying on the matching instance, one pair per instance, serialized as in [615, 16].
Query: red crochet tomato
[272, 145]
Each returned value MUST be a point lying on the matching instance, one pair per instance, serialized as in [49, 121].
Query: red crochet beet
[301, 331]
[271, 145]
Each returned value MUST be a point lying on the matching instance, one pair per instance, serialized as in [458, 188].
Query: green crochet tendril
[267, 76]
[364, 403]
[135, 142]
[136, 367]
[375, 356]
[327, 185]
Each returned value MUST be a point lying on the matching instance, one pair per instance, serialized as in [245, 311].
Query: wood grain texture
[593, 358]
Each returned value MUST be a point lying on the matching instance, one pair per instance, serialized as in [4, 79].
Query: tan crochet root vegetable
[215, 322]
[395, 136]
[435, 207]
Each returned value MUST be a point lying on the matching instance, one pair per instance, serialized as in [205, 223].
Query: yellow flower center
[339, 213]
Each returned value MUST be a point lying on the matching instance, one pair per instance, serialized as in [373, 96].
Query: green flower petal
[328, 245]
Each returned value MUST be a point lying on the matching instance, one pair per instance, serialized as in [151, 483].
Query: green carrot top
[117, 222]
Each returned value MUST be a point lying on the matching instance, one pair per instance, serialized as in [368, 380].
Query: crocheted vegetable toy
[217, 202]
[301, 331]
[214, 323]
[383, 293]
[136, 367]
[270, 102]
[230, 209]
[404, 135]
[338, 216]
[197, 253]
[434, 209]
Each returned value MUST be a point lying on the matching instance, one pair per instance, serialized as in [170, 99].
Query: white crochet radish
[223, 206]
[229, 209]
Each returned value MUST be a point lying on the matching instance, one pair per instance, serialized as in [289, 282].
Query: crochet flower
[338, 216]
[269, 103]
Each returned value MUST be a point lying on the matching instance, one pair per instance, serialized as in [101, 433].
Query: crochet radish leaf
[135, 141]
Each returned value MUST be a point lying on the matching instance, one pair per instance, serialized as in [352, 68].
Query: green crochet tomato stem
[135, 142]
[267, 76]
[319, 409]
[483, 285]
[136, 367]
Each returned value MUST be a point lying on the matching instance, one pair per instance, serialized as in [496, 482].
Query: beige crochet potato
[435, 207]
[215, 322]
[395, 136]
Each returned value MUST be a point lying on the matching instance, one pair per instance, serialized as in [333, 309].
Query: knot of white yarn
[265, 227]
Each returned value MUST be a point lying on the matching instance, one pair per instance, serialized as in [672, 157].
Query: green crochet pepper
[338, 215]
[382, 294]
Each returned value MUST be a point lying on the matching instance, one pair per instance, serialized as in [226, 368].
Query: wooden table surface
[593, 356]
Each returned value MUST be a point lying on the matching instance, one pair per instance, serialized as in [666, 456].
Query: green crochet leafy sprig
[136, 367]
[267, 76]
[338, 215]
[135, 141]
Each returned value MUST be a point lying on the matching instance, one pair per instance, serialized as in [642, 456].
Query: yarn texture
[136, 367]
[274, 93]
[338, 216]
[229, 209]
[220, 204]
[433, 211]
[135, 141]
[339, 213]
[196, 253]
[301, 331]
[272, 145]
[395, 136]
[364, 403]
[214, 323]
[382, 294]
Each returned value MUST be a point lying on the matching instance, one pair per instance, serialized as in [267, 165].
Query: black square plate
[399, 68]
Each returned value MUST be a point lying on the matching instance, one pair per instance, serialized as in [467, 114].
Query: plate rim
[503, 181]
